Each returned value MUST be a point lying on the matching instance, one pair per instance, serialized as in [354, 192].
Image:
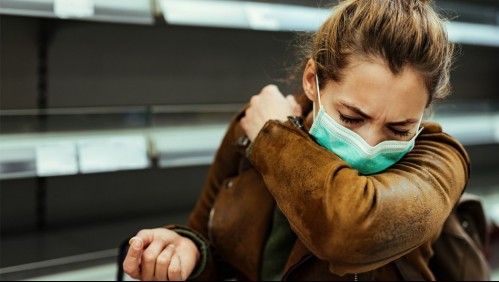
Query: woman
[360, 184]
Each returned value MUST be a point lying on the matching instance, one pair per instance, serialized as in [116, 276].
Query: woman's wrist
[200, 245]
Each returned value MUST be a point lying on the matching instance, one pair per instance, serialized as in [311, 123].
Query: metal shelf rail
[229, 14]
[67, 153]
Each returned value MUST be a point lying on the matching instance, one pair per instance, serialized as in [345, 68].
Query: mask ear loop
[318, 94]
[419, 124]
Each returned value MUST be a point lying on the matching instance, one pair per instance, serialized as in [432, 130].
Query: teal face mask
[352, 148]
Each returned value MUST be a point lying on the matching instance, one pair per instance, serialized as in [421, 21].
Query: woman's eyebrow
[366, 116]
[355, 109]
[404, 122]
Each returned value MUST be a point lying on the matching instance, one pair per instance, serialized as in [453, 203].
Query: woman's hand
[268, 104]
[160, 254]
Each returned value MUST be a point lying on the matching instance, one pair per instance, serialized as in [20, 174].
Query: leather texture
[347, 225]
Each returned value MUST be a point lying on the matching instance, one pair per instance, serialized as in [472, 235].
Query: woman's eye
[400, 133]
[350, 120]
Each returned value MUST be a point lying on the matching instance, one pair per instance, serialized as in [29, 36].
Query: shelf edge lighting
[132, 12]
[285, 17]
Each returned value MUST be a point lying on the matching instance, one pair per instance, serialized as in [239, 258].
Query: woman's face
[374, 102]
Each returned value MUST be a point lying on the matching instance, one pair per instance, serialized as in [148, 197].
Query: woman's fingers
[160, 254]
[175, 272]
[163, 262]
[131, 264]
[188, 257]
[149, 258]
[291, 100]
[294, 105]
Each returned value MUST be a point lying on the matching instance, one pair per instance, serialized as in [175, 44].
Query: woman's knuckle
[148, 258]
[162, 260]
[254, 99]
[128, 268]
[270, 87]
[174, 269]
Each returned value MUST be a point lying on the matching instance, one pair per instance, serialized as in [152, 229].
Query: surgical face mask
[352, 148]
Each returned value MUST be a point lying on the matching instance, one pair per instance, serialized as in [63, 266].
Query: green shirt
[277, 248]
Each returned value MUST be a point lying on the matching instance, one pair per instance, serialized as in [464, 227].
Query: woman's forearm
[356, 222]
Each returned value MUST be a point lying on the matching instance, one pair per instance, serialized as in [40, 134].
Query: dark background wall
[103, 64]
[19, 62]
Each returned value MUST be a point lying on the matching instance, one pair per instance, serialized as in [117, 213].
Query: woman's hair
[403, 33]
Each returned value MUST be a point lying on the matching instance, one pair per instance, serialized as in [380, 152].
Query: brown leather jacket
[348, 225]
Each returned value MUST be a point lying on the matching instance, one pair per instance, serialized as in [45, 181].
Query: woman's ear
[308, 81]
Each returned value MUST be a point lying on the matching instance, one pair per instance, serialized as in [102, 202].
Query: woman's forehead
[372, 87]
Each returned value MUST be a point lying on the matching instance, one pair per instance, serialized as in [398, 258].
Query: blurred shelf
[55, 142]
[471, 129]
[186, 146]
[55, 154]
[243, 14]
[176, 136]
[262, 15]
[112, 118]
[134, 12]
[287, 17]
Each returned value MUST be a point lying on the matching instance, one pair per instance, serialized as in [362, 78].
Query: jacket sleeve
[358, 223]
[225, 165]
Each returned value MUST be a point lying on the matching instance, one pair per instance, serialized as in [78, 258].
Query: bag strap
[472, 204]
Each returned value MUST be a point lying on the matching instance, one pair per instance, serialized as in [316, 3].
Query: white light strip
[473, 34]
[136, 11]
[280, 17]
[204, 13]
[471, 129]
[60, 261]
[496, 128]
[243, 14]
[283, 17]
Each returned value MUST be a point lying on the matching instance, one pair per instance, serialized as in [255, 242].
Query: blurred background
[111, 112]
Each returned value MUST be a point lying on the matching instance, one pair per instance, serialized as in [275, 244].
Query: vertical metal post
[43, 41]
